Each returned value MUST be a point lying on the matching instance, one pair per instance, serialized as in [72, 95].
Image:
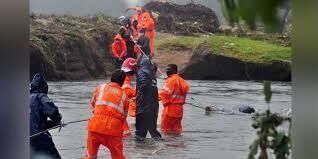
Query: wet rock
[205, 65]
[183, 19]
[246, 109]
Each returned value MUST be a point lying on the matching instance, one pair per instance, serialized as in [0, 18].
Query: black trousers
[130, 49]
[147, 122]
[42, 145]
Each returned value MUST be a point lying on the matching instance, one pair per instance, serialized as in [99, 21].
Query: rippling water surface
[217, 135]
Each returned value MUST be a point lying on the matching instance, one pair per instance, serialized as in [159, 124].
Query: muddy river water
[217, 135]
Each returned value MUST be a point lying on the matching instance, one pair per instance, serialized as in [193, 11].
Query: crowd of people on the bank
[135, 36]
[113, 102]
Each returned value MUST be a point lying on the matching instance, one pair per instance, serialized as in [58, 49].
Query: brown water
[218, 135]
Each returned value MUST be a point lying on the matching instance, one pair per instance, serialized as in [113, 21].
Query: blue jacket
[147, 91]
[41, 108]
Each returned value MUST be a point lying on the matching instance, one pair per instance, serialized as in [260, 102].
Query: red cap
[129, 64]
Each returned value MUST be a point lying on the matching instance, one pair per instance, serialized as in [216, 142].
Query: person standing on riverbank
[110, 104]
[173, 96]
[143, 42]
[127, 35]
[136, 35]
[147, 100]
[119, 50]
[148, 24]
[42, 108]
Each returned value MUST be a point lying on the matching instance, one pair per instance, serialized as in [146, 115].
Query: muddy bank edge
[205, 65]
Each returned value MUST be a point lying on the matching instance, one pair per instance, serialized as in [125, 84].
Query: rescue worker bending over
[105, 127]
[146, 100]
[41, 109]
[173, 96]
[129, 67]
[119, 50]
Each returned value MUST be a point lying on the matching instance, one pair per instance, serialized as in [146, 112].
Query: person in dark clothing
[144, 42]
[41, 108]
[147, 106]
[127, 35]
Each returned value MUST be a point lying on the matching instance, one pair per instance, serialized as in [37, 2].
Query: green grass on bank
[237, 47]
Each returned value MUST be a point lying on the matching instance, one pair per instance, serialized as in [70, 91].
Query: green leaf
[252, 12]
[253, 149]
[280, 146]
[267, 91]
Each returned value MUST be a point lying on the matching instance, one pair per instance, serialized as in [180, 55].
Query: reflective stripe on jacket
[174, 90]
[110, 105]
[173, 96]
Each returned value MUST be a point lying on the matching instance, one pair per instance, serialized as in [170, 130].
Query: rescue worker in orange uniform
[129, 67]
[105, 127]
[146, 22]
[119, 50]
[173, 96]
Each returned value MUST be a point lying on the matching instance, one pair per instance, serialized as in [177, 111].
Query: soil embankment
[184, 19]
[71, 48]
[78, 48]
[206, 65]
[224, 58]
[171, 54]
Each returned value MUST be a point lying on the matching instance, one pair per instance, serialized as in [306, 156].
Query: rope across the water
[207, 108]
[58, 126]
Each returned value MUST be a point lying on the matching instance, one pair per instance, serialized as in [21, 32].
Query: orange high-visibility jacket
[119, 49]
[110, 104]
[173, 95]
[144, 21]
[135, 33]
[131, 93]
[149, 22]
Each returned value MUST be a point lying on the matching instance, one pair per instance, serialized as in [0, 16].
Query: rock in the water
[246, 109]
[184, 19]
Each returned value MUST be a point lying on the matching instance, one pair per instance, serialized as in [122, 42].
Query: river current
[224, 134]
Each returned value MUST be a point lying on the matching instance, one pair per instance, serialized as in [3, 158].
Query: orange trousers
[151, 36]
[126, 129]
[171, 125]
[132, 109]
[113, 143]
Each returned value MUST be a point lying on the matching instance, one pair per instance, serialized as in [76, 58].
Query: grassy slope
[241, 48]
